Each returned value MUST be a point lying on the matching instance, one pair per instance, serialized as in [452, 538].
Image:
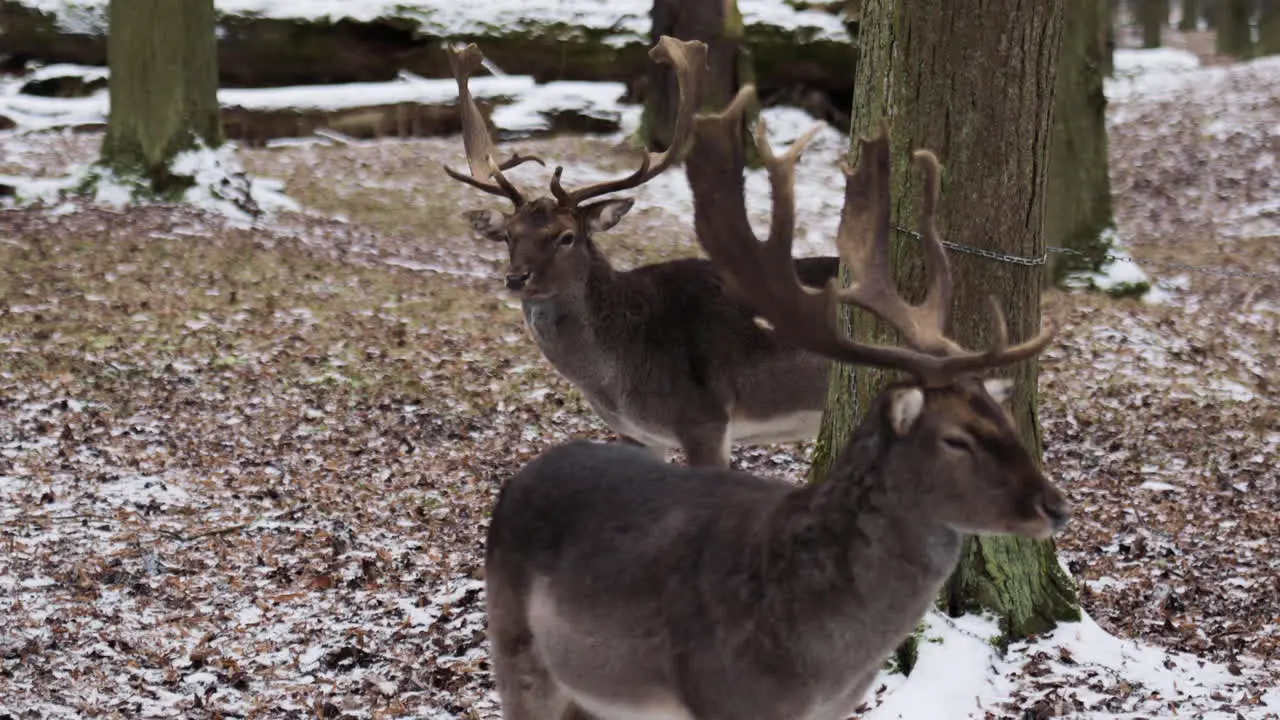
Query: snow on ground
[1078, 670]
[624, 20]
[31, 112]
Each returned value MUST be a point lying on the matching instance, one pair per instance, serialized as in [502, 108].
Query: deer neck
[562, 323]
[859, 545]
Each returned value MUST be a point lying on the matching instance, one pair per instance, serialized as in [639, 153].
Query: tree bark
[1078, 205]
[1269, 28]
[715, 22]
[971, 81]
[1234, 34]
[164, 86]
[1190, 19]
[1153, 15]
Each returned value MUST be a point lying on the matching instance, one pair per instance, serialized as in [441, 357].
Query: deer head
[549, 238]
[978, 476]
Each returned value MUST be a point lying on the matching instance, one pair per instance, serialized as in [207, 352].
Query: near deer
[620, 587]
[662, 354]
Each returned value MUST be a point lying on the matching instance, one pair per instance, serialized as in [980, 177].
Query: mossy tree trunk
[972, 81]
[1269, 28]
[1190, 19]
[1078, 205]
[1153, 15]
[715, 22]
[164, 85]
[1235, 37]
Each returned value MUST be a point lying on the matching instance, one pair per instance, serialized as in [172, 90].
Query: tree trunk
[1269, 28]
[1108, 57]
[164, 87]
[715, 22]
[971, 81]
[1152, 15]
[1235, 37]
[1190, 19]
[1078, 204]
[1209, 13]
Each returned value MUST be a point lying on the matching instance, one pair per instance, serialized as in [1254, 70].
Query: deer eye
[957, 442]
[565, 239]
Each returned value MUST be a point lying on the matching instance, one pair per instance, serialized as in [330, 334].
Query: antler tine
[475, 135]
[936, 305]
[689, 60]
[764, 273]
[863, 241]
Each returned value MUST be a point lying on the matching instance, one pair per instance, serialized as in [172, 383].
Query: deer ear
[905, 406]
[601, 216]
[490, 224]
[1000, 389]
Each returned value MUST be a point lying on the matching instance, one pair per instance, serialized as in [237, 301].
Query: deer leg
[524, 683]
[706, 445]
[525, 687]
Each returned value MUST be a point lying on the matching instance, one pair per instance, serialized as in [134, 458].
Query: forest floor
[245, 470]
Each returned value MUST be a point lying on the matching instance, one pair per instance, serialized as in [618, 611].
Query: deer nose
[516, 281]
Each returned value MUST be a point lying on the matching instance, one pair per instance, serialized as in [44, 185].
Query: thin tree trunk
[1209, 13]
[715, 22]
[1269, 28]
[1078, 208]
[1235, 37]
[1108, 58]
[164, 85]
[1190, 19]
[1153, 15]
[971, 81]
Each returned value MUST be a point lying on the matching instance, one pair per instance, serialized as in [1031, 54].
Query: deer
[621, 587]
[660, 352]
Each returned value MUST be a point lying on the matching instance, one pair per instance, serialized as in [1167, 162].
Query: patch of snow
[406, 89]
[32, 190]
[1175, 75]
[1078, 666]
[1129, 62]
[1121, 272]
[33, 113]
[222, 186]
[532, 110]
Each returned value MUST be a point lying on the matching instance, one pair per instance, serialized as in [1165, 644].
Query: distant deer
[660, 352]
[621, 587]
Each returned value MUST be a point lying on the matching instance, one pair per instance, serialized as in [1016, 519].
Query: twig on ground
[283, 515]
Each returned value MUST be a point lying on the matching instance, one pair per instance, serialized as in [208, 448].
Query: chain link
[1053, 250]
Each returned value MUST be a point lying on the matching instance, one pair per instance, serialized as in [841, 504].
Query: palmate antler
[475, 135]
[765, 272]
[687, 58]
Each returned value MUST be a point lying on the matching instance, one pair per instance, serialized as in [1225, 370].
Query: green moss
[1129, 290]
[903, 660]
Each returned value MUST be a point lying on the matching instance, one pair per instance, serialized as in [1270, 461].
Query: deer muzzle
[517, 280]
